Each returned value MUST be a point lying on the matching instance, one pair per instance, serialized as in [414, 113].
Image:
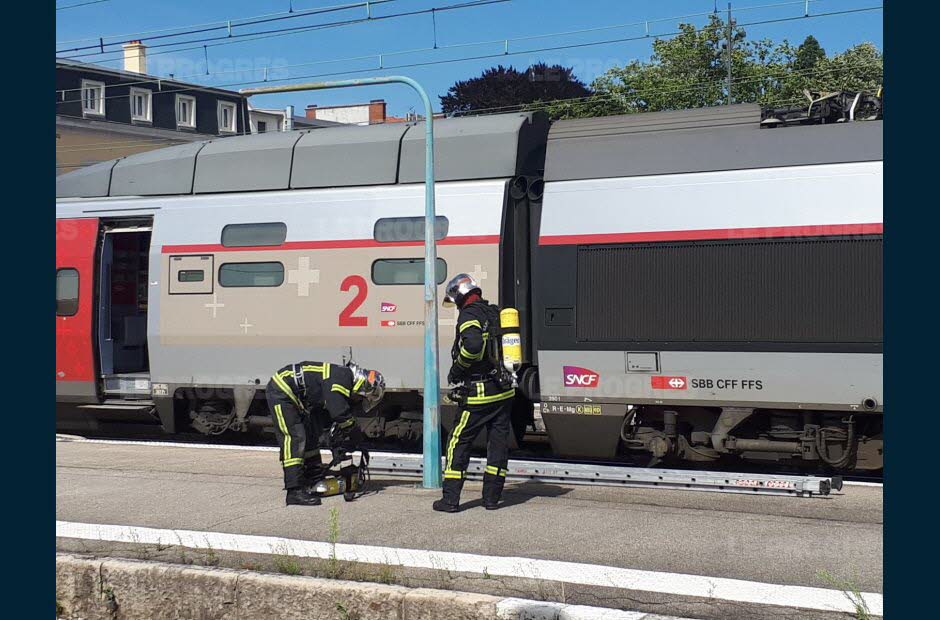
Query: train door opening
[122, 309]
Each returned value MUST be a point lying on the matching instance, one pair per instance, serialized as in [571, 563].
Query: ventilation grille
[776, 290]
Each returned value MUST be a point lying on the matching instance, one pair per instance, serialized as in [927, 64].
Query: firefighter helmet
[367, 384]
[458, 288]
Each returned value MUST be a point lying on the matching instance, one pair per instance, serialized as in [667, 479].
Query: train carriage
[691, 286]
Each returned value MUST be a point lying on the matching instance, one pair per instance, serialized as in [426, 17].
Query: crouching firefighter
[306, 397]
[484, 394]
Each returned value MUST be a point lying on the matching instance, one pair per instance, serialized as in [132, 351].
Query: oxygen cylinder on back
[511, 341]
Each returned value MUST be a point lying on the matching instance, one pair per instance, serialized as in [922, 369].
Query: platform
[686, 553]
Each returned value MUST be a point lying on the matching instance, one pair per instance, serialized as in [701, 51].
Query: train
[694, 287]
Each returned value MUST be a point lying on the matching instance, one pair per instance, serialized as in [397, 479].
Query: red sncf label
[669, 383]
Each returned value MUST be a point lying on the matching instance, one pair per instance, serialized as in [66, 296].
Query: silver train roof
[478, 147]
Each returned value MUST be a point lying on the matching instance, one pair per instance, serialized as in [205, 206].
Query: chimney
[376, 111]
[135, 57]
[311, 110]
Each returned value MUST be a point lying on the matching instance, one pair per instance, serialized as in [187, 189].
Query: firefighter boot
[492, 490]
[451, 500]
[300, 496]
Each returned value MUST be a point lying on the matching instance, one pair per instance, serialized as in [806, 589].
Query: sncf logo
[575, 376]
[388, 306]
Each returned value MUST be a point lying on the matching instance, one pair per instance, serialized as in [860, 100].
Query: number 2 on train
[346, 318]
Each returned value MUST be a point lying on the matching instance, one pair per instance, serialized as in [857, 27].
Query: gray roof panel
[161, 172]
[476, 147]
[89, 182]
[246, 163]
[347, 156]
[703, 140]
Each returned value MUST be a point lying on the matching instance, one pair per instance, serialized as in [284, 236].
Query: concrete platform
[650, 547]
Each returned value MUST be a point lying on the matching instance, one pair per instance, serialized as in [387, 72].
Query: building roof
[139, 77]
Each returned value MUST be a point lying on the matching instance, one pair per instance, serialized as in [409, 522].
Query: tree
[690, 71]
[505, 87]
[808, 54]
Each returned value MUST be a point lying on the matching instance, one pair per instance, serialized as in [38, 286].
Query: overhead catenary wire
[79, 4]
[233, 39]
[504, 53]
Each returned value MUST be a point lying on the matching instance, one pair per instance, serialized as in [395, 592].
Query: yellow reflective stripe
[481, 390]
[284, 374]
[326, 370]
[462, 363]
[338, 388]
[283, 426]
[347, 423]
[503, 472]
[469, 355]
[286, 389]
[482, 400]
[312, 368]
[464, 418]
[453, 474]
[469, 324]
[292, 462]
[359, 384]
[492, 469]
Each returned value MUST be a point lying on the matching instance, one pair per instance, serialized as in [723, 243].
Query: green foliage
[690, 71]
[851, 592]
[507, 87]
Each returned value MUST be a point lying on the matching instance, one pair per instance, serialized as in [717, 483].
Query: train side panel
[331, 285]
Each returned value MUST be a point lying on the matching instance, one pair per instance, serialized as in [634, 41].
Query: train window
[389, 229]
[250, 235]
[404, 271]
[190, 275]
[66, 292]
[251, 274]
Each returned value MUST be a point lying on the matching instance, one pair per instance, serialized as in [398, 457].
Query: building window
[66, 292]
[185, 111]
[140, 105]
[251, 274]
[93, 97]
[389, 229]
[262, 126]
[405, 271]
[226, 117]
[251, 235]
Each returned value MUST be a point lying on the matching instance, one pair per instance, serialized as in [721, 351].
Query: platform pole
[431, 477]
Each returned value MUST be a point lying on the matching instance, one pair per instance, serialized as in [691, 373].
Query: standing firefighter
[485, 395]
[305, 396]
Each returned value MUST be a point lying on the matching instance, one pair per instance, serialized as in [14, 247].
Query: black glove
[455, 375]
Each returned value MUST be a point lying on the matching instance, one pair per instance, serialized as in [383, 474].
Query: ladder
[409, 465]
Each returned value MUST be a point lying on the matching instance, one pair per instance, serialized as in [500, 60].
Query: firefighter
[484, 394]
[303, 398]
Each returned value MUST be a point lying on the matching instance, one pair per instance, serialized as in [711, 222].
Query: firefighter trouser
[297, 435]
[490, 408]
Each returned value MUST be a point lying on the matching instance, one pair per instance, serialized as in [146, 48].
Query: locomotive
[692, 286]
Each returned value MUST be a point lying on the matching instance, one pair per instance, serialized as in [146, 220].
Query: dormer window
[226, 117]
[92, 98]
[140, 105]
[186, 111]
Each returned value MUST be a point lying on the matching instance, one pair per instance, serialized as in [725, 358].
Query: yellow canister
[511, 340]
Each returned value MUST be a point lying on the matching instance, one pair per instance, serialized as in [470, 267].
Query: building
[263, 120]
[104, 113]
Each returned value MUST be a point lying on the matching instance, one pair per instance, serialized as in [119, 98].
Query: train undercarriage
[706, 437]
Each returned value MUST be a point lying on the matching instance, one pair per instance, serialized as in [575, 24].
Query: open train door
[76, 240]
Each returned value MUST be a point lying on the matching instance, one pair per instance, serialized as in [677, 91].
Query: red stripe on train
[331, 244]
[822, 230]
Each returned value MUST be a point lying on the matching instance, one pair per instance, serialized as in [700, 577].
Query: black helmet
[459, 287]
[368, 384]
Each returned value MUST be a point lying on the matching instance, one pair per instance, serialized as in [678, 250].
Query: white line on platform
[861, 483]
[549, 570]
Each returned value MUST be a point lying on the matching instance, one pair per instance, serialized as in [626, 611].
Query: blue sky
[245, 61]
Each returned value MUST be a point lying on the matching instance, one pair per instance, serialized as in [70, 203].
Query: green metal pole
[432, 391]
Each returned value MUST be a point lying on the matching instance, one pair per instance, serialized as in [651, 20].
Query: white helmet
[459, 287]
[368, 384]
